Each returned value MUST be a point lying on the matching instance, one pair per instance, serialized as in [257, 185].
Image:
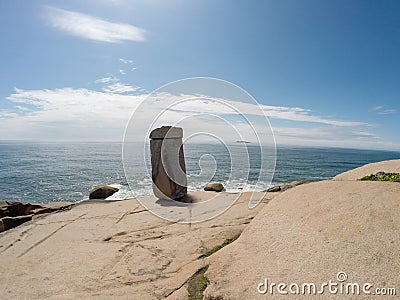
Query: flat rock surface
[389, 166]
[311, 233]
[120, 250]
[113, 250]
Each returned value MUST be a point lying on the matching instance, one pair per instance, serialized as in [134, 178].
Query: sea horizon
[300, 146]
[51, 171]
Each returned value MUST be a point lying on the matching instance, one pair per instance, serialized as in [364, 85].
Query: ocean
[40, 172]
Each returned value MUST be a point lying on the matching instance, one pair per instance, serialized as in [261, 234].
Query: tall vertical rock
[168, 163]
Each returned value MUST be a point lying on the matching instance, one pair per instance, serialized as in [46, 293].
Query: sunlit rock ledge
[119, 250]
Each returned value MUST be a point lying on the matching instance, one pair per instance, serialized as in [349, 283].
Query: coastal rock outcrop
[118, 250]
[274, 189]
[13, 213]
[115, 249]
[102, 191]
[382, 176]
[14, 208]
[11, 222]
[214, 187]
[312, 233]
[388, 166]
[284, 187]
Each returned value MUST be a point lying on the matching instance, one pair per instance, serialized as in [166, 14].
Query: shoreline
[75, 169]
[116, 249]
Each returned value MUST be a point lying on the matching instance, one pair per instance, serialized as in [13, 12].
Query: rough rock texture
[274, 189]
[113, 250]
[168, 163]
[102, 192]
[166, 132]
[11, 222]
[285, 187]
[309, 234]
[389, 166]
[215, 187]
[119, 250]
[15, 209]
[13, 214]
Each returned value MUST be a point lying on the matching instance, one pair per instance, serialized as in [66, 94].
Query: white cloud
[117, 2]
[93, 28]
[120, 88]
[275, 112]
[331, 136]
[122, 72]
[22, 108]
[304, 115]
[82, 114]
[381, 110]
[106, 80]
[126, 61]
[67, 113]
[387, 112]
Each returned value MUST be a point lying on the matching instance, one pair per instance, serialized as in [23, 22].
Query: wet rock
[274, 189]
[102, 192]
[215, 187]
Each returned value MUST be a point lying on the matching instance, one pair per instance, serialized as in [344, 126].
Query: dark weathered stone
[168, 163]
[14, 209]
[102, 192]
[14, 213]
[215, 187]
[166, 132]
[51, 207]
[287, 186]
[380, 174]
[274, 189]
[11, 222]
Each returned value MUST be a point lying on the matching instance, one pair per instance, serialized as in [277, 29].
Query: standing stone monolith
[168, 163]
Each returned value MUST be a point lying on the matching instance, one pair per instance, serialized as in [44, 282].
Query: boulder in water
[102, 191]
[215, 187]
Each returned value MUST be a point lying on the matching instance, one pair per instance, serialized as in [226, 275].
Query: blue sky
[327, 72]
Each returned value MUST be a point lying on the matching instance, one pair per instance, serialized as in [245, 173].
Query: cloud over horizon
[84, 114]
[91, 27]
[381, 110]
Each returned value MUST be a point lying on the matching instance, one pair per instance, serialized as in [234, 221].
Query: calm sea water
[45, 172]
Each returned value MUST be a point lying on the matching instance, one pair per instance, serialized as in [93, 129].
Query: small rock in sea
[215, 187]
[274, 189]
[102, 191]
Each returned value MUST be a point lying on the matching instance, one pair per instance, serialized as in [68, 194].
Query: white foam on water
[144, 188]
[123, 193]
